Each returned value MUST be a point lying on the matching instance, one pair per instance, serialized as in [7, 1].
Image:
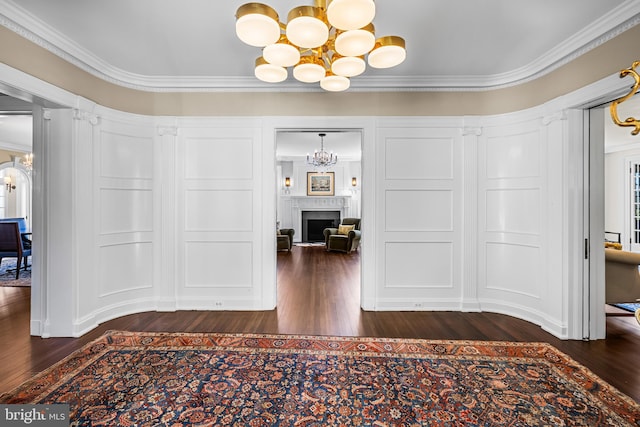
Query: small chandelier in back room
[325, 43]
[322, 159]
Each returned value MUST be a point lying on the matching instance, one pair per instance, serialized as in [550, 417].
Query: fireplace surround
[294, 206]
[314, 223]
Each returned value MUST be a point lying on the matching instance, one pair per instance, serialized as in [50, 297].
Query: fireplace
[314, 223]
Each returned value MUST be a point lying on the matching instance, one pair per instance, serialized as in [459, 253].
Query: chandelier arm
[630, 121]
[321, 3]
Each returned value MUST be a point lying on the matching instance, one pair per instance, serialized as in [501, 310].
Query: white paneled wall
[419, 190]
[511, 189]
[123, 232]
[470, 213]
[180, 213]
[218, 216]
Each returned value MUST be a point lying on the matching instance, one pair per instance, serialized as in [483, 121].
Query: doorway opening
[298, 207]
[15, 199]
[620, 153]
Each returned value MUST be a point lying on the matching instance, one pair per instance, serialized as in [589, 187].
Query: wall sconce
[354, 182]
[630, 121]
[8, 184]
[287, 182]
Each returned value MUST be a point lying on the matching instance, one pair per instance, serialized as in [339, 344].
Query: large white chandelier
[322, 159]
[325, 43]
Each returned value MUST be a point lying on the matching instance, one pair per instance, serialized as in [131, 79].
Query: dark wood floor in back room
[318, 294]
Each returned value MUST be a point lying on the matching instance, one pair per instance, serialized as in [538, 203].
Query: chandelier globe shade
[348, 66]
[333, 83]
[257, 24]
[351, 14]
[306, 27]
[310, 69]
[355, 42]
[281, 53]
[322, 159]
[388, 52]
[268, 72]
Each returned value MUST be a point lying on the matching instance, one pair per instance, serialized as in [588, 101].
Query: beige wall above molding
[603, 61]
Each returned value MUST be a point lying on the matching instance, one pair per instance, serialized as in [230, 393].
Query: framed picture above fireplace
[320, 184]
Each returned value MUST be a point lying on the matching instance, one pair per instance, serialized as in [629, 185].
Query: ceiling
[166, 44]
[160, 45]
[296, 144]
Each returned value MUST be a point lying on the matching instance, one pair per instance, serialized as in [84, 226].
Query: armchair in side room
[25, 233]
[13, 246]
[284, 237]
[345, 238]
[622, 278]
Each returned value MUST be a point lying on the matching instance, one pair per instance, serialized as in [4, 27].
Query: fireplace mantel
[299, 204]
[321, 203]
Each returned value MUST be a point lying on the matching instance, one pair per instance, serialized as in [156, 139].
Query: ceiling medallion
[325, 43]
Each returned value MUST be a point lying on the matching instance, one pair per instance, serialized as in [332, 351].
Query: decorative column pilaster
[471, 140]
[166, 185]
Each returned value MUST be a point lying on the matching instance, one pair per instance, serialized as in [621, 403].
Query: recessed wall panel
[126, 156]
[123, 211]
[219, 210]
[419, 265]
[513, 268]
[419, 158]
[218, 264]
[513, 156]
[125, 267]
[419, 210]
[218, 158]
[515, 211]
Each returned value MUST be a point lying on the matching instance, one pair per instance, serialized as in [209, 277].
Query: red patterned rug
[180, 379]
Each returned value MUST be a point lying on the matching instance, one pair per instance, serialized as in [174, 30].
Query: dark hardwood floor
[318, 294]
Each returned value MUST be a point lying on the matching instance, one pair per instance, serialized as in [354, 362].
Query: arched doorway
[15, 199]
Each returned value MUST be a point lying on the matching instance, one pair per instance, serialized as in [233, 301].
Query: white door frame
[366, 127]
[594, 167]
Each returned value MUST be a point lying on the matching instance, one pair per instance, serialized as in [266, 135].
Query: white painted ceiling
[191, 45]
[296, 144]
[168, 44]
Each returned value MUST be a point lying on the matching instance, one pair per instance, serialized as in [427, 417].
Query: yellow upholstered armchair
[622, 279]
[345, 238]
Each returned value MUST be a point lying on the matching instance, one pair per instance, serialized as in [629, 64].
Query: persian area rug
[8, 273]
[146, 379]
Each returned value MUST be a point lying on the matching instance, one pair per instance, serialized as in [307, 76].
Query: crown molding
[614, 23]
